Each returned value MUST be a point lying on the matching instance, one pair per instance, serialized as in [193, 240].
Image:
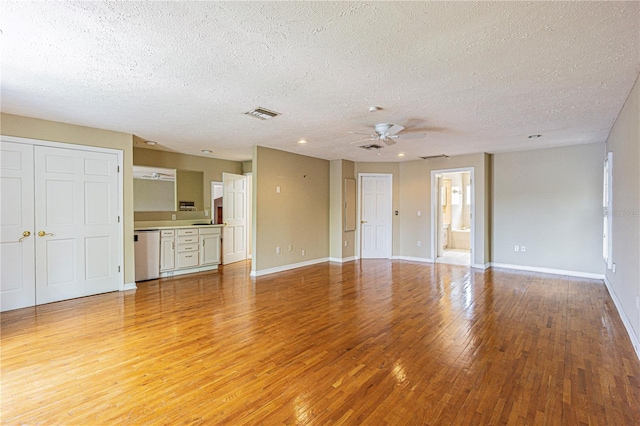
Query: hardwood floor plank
[371, 342]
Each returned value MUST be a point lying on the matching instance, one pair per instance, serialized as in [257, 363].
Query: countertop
[157, 228]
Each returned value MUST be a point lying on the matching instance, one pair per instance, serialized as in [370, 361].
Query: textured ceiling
[475, 76]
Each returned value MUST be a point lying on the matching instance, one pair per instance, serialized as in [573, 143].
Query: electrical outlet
[277, 189]
[290, 247]
[303, 252]
[419, 213]
[523, 248]
[419, 243]
[173, 217]
[517, 248]
[206, 213]
[346, 243]
[277, 250]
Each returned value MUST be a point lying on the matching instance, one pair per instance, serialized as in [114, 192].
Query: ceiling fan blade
[363, 140]
[366, 134]
[412, 135]
[389, 142]
[394, 129]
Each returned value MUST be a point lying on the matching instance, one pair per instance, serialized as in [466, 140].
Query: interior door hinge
[118, 167]
[118, 219]
[118, 268]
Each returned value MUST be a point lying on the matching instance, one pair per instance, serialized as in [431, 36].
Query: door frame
[359, 207]
[435, 203]
[120, 187]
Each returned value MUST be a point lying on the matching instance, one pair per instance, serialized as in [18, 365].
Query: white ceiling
[476, 76]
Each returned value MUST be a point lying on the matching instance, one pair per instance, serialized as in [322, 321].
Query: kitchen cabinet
[185, 250]
[167, 250]
[209, 246]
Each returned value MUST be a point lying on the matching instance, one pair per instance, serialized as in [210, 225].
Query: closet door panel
[17, 266]
[76, 248]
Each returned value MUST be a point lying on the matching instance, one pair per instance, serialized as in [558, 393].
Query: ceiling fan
[153, 173]
[387, 133]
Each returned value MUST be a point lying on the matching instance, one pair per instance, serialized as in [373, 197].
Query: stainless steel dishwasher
[147, 252]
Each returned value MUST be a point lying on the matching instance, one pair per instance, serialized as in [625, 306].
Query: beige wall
[416, 195]
[297, 216]
[550, 201]
[335, 209]
[339, 171]
[348, 172]
[624, 143]
[211, 167]
[32, 128]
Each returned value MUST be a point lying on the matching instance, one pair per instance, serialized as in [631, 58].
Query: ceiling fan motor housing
[383, 128]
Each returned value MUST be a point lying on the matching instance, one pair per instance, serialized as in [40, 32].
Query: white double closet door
[60, 236]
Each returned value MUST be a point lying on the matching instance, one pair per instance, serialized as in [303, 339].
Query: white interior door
[376, 215]
[76, 221]
[234, 214]
[17, 241]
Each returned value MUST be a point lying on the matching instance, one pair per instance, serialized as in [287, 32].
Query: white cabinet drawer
[168, 233]
[190, 231]
[209, 231]
[188, 240]
[187, 260]
[188, 247]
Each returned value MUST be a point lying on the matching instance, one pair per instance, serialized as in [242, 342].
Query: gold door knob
[42, 233]
[363, 221]
[25, 234]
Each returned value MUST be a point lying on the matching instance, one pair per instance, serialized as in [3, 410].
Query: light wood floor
[374, 342]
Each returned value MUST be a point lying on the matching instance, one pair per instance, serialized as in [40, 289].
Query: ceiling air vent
[372, 146]
[262, 113]
[432, 157]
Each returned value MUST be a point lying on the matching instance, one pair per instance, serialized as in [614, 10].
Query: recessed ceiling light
[401, 154]
[374, 108]
[534, 136]
[150, 143]
[206, 151]
[302, 141]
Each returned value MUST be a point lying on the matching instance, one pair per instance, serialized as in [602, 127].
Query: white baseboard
[627, 324]
[481, 266]
[413, 259]
[175, 272]
[548, 270]
[342, 260]
[289, 267]
[129, 286]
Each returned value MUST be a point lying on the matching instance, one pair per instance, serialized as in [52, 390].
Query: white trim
[359, 207]
[413, 259]
[627, 324]
[481, 266]
[547, 270]
[342, 260]
[435, 203]
[175, 272]
[129, 286]
[608, 163]
[288, 267]
[114, 151]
